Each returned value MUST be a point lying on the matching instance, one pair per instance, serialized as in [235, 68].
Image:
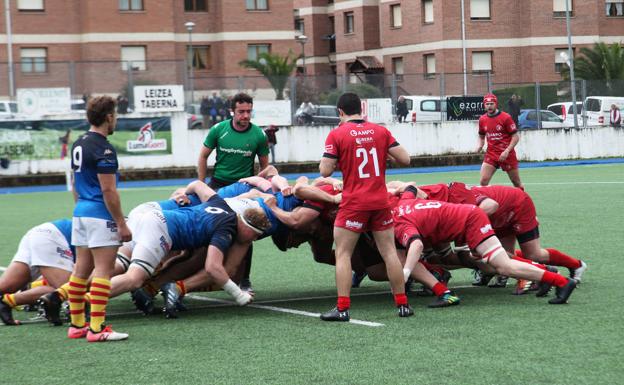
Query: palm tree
[603, 67]
[275, 68]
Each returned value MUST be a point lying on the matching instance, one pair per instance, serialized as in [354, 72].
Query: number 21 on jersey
[362, 153]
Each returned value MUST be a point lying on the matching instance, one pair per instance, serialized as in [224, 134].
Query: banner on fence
[41, 101]
[165, 98]
[50, 139]
[464, 107]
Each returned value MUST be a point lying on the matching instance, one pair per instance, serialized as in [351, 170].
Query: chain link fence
[114, 77]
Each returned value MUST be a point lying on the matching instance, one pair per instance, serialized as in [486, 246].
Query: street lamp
[302, 39]
[189, 27]
[570, 62]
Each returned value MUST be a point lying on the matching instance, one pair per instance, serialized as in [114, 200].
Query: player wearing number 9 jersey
[360, 149]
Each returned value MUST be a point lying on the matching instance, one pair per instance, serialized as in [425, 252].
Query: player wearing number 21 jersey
[360, 150]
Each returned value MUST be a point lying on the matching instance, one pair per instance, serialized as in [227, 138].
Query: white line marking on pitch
[285, 310]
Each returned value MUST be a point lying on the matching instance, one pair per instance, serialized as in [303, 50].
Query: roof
[365, 63]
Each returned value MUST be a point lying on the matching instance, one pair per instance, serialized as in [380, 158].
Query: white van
[597, 109]
[425, 108]
[8, 109]
[565, 111]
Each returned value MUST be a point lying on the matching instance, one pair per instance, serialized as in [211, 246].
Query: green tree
[603, 68]
[275, 68]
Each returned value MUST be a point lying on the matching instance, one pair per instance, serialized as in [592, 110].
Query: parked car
[565, 111]
[423, 108]
[8, 109]
[527, 120]
[194, 121]
[322, 115]
[597, 109]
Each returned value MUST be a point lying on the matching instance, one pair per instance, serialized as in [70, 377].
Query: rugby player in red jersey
[421, 223]
[513, 216]
[360, 150]
[502, 136]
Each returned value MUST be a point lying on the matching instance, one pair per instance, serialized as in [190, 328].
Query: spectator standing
[215, 103]
[122, 105]
[615, 117]
[401, 109]
[204, 110]
[515, 104]
[271, 139]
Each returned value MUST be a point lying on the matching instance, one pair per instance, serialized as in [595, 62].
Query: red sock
[557, 258]
[554, 279]
[400, 299]
[344, 303]
[439, 289]
[181, 287]
[433, 268]
[536, 264]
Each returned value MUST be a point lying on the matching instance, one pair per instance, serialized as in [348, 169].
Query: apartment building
[91, 44]
[512, 41]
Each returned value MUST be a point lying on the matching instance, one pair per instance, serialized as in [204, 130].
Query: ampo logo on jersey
[146, 141]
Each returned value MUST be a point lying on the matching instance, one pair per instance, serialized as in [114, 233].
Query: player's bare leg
[345, 244]
[487, 170]
[493, 253]
[385, 244]
[514, 177]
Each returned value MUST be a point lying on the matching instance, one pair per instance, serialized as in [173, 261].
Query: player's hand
[337, 198]
[503, 156]
[181, 199]
[271, 202]
[287, 191]
[244, 298]
[337, 185]
[421, 194]
[124, 232]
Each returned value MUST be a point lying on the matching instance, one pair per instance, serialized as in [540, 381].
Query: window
[614, 8]
[395, 16]
[30, 5]
[300, 26]
[254, 50]
[257, 5]
[201, 58]
[480, 9]
[397, 67]
[430, 63]
[427, 6]
[561, 58]
[34, 59]
[482, 61]
[348, 22]
[430, 105]
[130, 5]
[195, 6]
[133, 55]
[559, 8]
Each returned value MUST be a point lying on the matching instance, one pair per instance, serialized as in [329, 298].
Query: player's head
[101, 112]
[242, 104]
[490, 102]
[255, 222]
[349, 104]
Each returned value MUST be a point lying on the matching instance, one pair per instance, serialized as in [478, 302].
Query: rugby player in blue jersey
[212, 223]
[98, 226]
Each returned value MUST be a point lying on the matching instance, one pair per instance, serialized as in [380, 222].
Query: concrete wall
[306, 143]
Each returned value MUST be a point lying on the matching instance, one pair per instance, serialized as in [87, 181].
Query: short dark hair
[350, 103]
[241, 98]
[98, 108]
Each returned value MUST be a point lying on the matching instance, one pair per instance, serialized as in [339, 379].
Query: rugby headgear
[490, 98]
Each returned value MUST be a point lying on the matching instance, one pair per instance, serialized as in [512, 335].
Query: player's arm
[399, 155]
[202, 163]
[296, 219]
[73, 184]
[313, 193]
[320, 181]
[263, 160]
[108, 184]
[480, 143]
[257, 181]
[515, 138]
[201, 189]
[414, 252]
[489, 205]
[268, 171]
[327, 166]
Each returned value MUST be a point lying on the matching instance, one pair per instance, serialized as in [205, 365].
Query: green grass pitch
[491, 338]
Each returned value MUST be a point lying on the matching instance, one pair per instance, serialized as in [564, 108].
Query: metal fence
[115, 77]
